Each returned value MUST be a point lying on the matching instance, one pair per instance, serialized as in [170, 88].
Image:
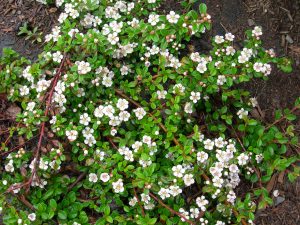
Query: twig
[139, 202]
[26, 202]
[282, 118]
[236, 214]
[112, 143]
[42, 131]
[79, 178]
[170, 209]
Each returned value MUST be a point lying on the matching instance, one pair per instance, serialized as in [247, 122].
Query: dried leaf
[281, 177]
[53, 10]
[44, 150]
[55, 143]
[21, 140]
[23, 171]
[13, 111]
[271, 183]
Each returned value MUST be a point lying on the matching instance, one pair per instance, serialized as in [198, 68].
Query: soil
[280, 20]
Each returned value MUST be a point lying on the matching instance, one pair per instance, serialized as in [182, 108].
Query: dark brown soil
[13, 15]
[280, 20]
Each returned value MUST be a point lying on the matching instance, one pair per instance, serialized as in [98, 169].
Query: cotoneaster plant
[122, 127]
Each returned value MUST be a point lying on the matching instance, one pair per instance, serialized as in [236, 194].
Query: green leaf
[62, 214]
[202, 8]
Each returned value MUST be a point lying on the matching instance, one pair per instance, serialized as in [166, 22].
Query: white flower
[124, 70]
[178, 88]
[57, 57]
[118, 186]
[175, 190]
[164, 193]
[107, 81]
[122, 104]
[43, 164]
[253, 102]
[9, 167]
[104, 177]
[145, 198]
[201, 68]
[147, 140]
[109, 111]
[32, 216]
[42, 85]
[242, 113]
[233, 168]
[219, 39]
[136, 146]
[202, 157]
[93, 177]
[153, 19]
[124, 116]
[259, 158]
[133, 201]
[230, 50]
[194, 212]
[172, 17]
[258, 66]
[221, 80]
[257, 31]
[83, 67]
[161, 94]
[74, 13]
[24, 90]
[178, 171]
[202, 202]
[90, 140]
[72, 135]
[219, 142]
[85, 119]
[231, 197]
[113, 38]
[229, 36]
[195, 96]
[243, 159]
[30, 106]
[188, 108]
[99, 111]
[188, 179]
[72, 32]
[185, 214]
[139, 113]
[208, 144]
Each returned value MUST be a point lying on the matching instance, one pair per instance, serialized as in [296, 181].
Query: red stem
[170, 209]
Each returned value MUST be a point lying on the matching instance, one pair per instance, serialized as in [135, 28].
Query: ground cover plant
[123, 125]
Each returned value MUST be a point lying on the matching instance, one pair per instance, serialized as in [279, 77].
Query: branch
[282, 118]
[42, 130]
[26, 202]
[170, 209]
[79, 178]
[139, 202]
